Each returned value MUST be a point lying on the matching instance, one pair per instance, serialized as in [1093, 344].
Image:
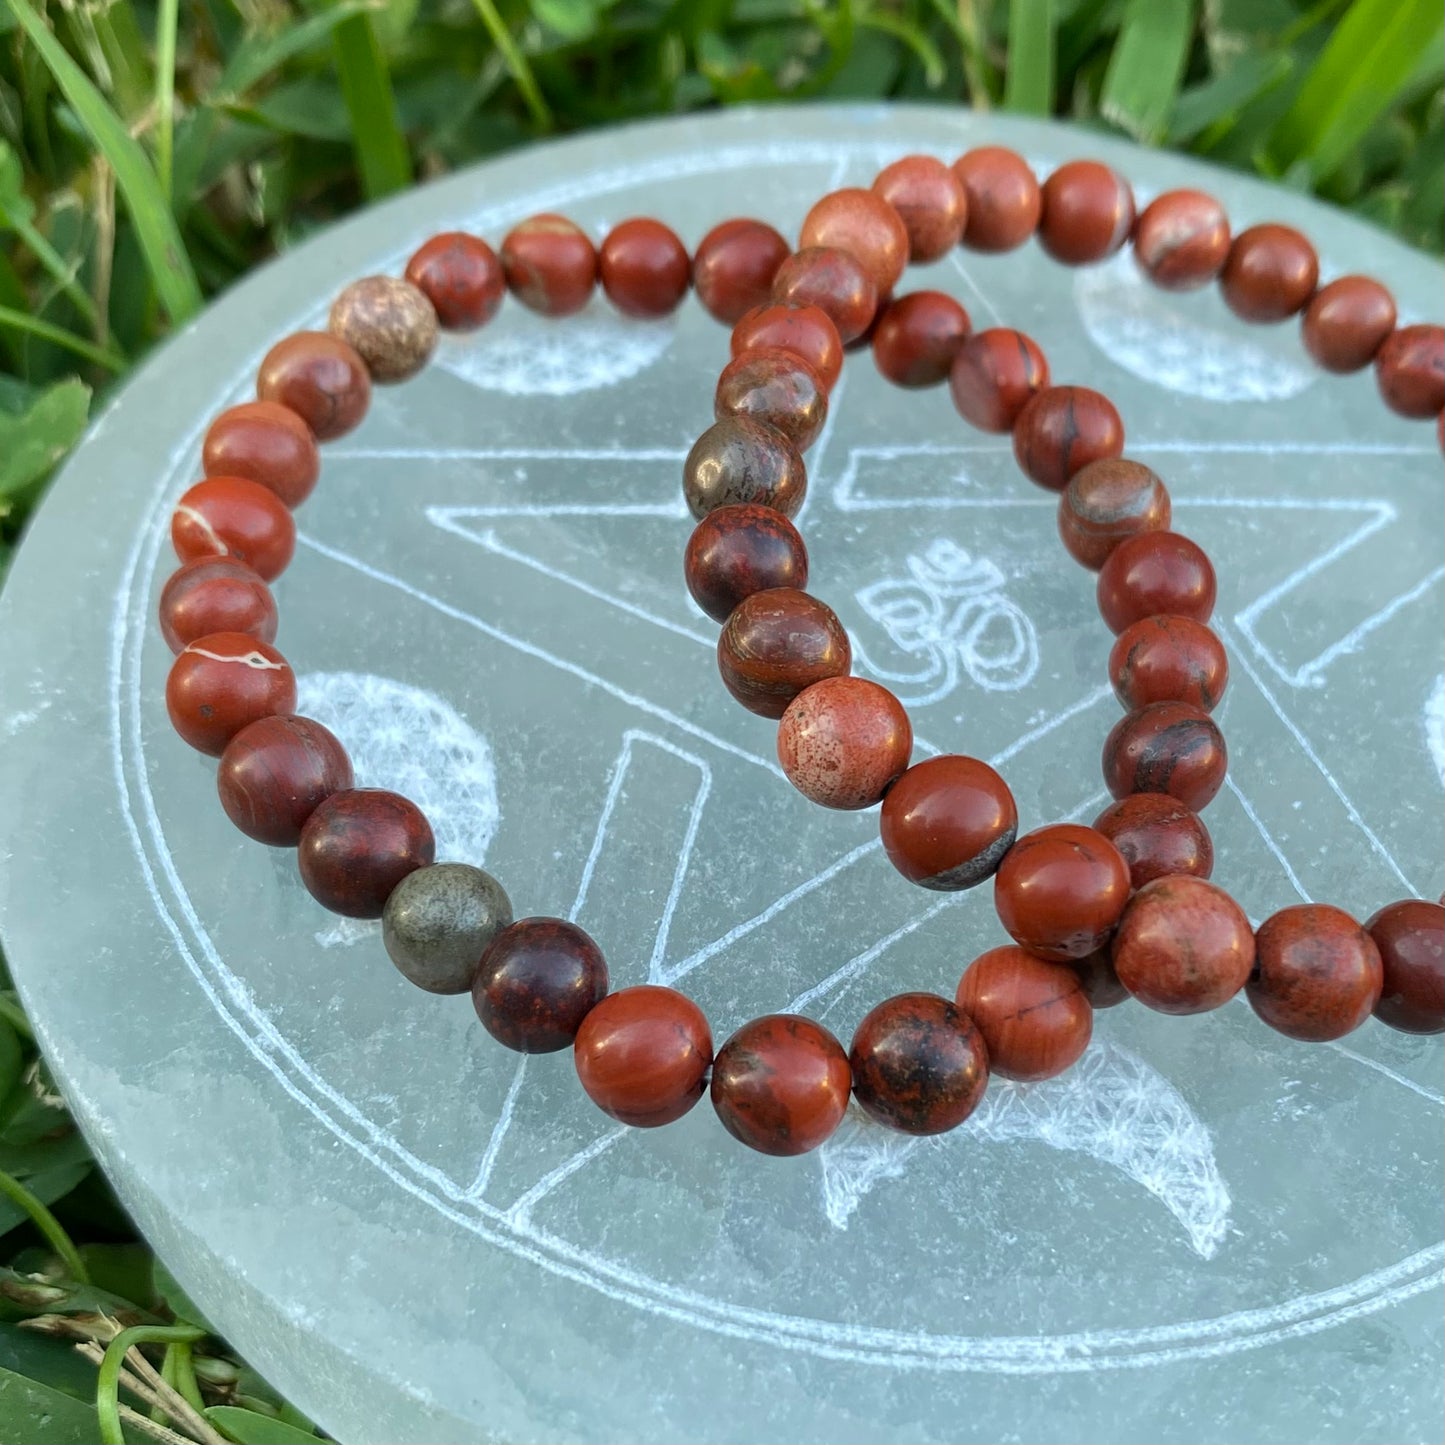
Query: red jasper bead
[642, 1055]
[947, 822]
[462, 277]
[1088, 212]
[1060, 890]
[734, 266]
[1107, 501]
[1061, 430]
[264, 443]
[1183, 946]
[781, 1084]
[1167, 747]
[1157, 836]
[358, 845]
[836, 282]
[1270, 273]
[738, 460]
[844, 741]
[736, 551]
[1181, 240]
[1033, 1014]
[1003, 198]
[1411, 938]
[231, 517]
[775, 644]
[1346, 323]
[215, 594]
[919, 1064]
[994, 375]
[220, 683]
[917, 338]
[1168, 659]
[866, 226]
[1410, 370]
[1317, 973]
[804, 331]
[320, 378]
[930, 202]
[775, 388]
[550, 264]
[1098, 980]
[276, 772]
[536, 981]
[1153, 573]
[644, 268]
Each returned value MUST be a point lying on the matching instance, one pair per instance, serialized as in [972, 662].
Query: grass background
[151, 151]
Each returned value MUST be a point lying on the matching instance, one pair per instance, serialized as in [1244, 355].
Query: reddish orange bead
[462, 277]
[1168, 659]
[1107, 501]
[1346, 322]
[930, 202]
[1033, 1014]
[644, 268]
[1152, 573]
[1410, 370]
[1181, 240]
[734, 266]
[231, 517]
[1157, 836]
[863, 224]
[1411, 938]
[775, 644]
[917, 338]
[947, 822]
[1088, 212]
[844, 741]
[1167, 747]
[1060, 890]
[535, 983]
[833, 280]
[276, 772]
[1061, 429]
[776, 388]
[1317, 973]
[220, 683]
[738, 460]
[736, 551]
[994, 375]
[215, 594]
[320, 378]
[550, 264]
[804, 331]
[1270, 273]
[264, 443]
[1003, 201]
[358, 845]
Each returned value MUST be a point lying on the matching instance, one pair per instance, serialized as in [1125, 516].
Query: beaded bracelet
[1096, 913]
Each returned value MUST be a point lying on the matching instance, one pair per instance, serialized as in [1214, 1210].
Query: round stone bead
[535, 983]
[462, 278]
[947, 822]
[1317, 973]
[215, 594]
[1411, 938]
[844, 741]
[358, 845]
[550, 265]
[919, 1064]
[1002, 197]
[1033, 1014]
[1181, 240]
[231, 517]
[1346, 322]
[930, 202]
[1168, 659]
[1157, 836]
[804, 331]
[1098, 979]
[833, 280]
[265, 443]
[389, 323]
[866, 226]
[736, 551]
[1167, 747]
[1410, 370]
[320, 378]
[438, 922]
[775, 644]
[276, 772]
[1061, 430]
[781, 1084]
[738, 461]
[994, 375]
[1270, 273]
[775, 388]
[220, 683]
[644, 268]
[1153, 573]
[642, 1055]
[1060, 890]
[1088, 212]
[917, 338]
[1183, 946]
[734, 266]
[1107, 501]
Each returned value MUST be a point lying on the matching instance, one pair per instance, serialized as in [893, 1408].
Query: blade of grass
[24, 321]
[1029, 83]
[1141, 84]
[381, 152]
[910, 35]
[1217, 101]
[516, 63]
[167, 14]
[47, 1224]
[257, 56]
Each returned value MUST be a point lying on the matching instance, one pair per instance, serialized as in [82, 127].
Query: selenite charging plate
[1204, 1231]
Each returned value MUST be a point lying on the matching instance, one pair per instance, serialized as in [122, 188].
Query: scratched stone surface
[1204, 1232]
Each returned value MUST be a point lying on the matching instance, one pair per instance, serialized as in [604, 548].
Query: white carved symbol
[1435, 725]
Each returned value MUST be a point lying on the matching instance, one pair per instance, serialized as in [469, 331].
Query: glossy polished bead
[736, 551]
[1411, 938]
[834, 281]
[844, 741]
[644, 268]
[1002, 196]
[389, 323]
[1061, 430]
[276, 772]
[775, 644]
[1346, 322]
[1060, 890]
[535, 983]
[1155, 573]
[1270, 273]
[1033, 1014]
[1088, 212]
[739, 461]
[215, 594]
[231, 517]
[930, 202]
[1167, 747]
[550, 265]
[1317, 973]
[1183, 946]
[1107, 501]
[642, 1055]
[866, 226]
[438, 922]
[1181, 240]
[265, 443]
[461, 276]
[781, 1084]
[220, 683]
[995, 374]
[1157, 836]
[947, 822]
[320, 378]
[734, 266]
[1410, 370]
[358, 845]
[1098, 979]
[1168, 659]
[775, 388]
[919, 1064]
[804, 331]
[917, 338]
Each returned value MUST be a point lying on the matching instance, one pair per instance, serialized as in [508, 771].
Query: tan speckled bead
[1107, 501]
[389, 323]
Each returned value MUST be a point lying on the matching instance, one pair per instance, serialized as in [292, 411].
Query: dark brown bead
[736, 551]
[1003, 198]
[231, 517]
[276, 772]
[1168, 659]
[947, 822]
[220, 683]
[390, 324]
[1167, 747]
[781, 1084]
[1153, 573]
[1061, 430]
[1107, 501]
[919, 1064]
[834, 281]
[1270, 273]
[1183, 946]
[1181, 240]
[1088, 212]
[536, 981]
[265, 443]
[734, 267]
[1098, 980]
[215, 594]
[644, 268]
[738, 461]
[1410, 370]
[844, 741]
[994, 375]
[1060, 890]
[462, 278]
[1157, 836]
[805, 331]
[358, 845]
[775, 388]
[1317, 973]
[1411, 938]
[930, 202]
[320, 378]
[918, 336]
[775, 644]
[1033, 1014]
[1346, 321]
[866, 226]
[550, 265]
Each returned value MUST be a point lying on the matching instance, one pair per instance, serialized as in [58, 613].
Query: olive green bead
[439, 920]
